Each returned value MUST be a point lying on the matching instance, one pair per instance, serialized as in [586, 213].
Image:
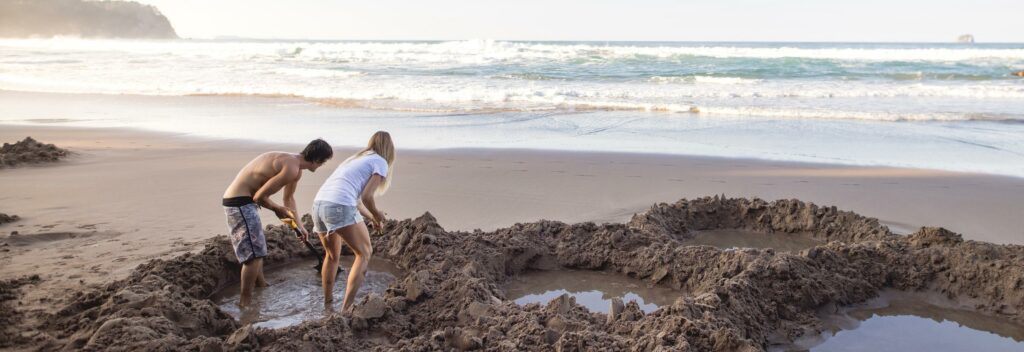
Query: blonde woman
[346, 194]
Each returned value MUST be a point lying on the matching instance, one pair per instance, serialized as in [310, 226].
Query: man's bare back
[258, 171]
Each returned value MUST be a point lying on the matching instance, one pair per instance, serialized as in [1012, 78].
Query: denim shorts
[329, 216]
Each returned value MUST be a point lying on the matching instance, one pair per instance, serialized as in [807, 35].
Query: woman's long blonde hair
[380, 144]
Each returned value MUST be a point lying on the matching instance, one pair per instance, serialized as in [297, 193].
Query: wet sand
[295, 296]
[740, 238]
[738, 300]
[128, 196]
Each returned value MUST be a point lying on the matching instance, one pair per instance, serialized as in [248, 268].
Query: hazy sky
[722, 20]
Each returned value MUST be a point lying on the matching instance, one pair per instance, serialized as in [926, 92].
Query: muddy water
[740, 238]
[902, 321]
[295, 294]
[592, 289]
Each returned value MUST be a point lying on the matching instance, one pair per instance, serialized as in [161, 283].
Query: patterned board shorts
[246, 232]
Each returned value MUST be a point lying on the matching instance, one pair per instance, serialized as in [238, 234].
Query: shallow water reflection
[903, 321]
[592, 289]
[295, 294]
[741, 238]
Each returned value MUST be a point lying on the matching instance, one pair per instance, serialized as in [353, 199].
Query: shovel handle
[295, 227]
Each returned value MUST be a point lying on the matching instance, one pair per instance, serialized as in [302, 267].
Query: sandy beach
[127, 196]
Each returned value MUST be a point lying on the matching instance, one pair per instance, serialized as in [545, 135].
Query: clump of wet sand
[10, 316]
[30, 151]
[451, 297]
[4, 218]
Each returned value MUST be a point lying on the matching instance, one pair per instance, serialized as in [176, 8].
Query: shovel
[312, 250]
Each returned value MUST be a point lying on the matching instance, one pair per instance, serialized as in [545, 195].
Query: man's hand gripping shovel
[312, 250]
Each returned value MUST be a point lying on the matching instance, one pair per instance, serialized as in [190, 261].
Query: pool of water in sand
[592, 289]
[295, 294]
[902, 321]
[741, 238]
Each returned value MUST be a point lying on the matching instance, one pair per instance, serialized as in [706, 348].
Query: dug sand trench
[451, 293]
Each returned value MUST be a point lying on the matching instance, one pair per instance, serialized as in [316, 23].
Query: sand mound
[29, 151]
[4, 218]
[10, 317]
[451, 298]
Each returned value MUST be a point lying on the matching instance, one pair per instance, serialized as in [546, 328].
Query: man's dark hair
[317, 151]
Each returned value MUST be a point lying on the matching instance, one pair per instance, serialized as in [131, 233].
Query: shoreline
[965, 146]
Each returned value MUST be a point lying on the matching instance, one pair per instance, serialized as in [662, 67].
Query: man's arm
[289, 202]
[288, 174]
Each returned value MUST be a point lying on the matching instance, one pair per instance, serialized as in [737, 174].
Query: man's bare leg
[250, 273]
[329, 271]
[358, 239]
[261, 281]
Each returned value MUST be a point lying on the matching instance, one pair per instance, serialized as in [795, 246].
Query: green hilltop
[79, 18]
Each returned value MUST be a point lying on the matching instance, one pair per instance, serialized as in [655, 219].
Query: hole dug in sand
[295, 294]
[733, 239]
[449, 294]
[911, 321]
[594, 290]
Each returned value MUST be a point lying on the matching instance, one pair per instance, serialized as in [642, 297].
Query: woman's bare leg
[329, 272]
[358, 239]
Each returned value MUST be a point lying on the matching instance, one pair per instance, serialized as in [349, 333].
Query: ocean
[938, 106]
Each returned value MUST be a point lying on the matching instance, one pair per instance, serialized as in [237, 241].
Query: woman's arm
[363, 211]
[367, 197]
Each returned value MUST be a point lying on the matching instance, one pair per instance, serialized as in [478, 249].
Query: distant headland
[79, 18]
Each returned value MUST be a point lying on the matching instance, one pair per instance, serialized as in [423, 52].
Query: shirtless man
[252, 189]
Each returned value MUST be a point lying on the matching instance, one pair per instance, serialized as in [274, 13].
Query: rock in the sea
[89, 19]
[30, 151]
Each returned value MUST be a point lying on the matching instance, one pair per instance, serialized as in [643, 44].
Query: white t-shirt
[348, 180]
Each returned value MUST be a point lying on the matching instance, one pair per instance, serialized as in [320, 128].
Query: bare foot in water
[261, 281]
